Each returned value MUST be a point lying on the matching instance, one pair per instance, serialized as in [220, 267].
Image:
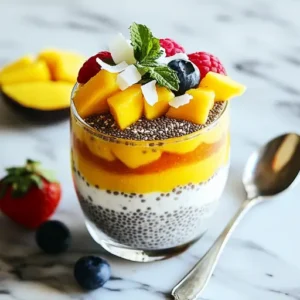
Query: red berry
[90, 68]
[27, 197]
[171, 47]
[207, 62]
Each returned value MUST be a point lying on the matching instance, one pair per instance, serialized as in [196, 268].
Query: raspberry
[206, 62]
[171, 47]
[90, 68]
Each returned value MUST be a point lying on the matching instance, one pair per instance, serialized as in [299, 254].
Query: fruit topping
[180, 100]
[63, 65]
[92, 97]
[29, 194]
[90, 68]
[121, 50]
[37, 71]
[171, 47]
[188, 74]
[150, 93]
[127, 106]
[18, 64]
[207, 62]
[224, 87]
[91, 272]
[197, 110]
[53, 237]
[112, 68]
[161, 106]
[40, 96]
[128, 77]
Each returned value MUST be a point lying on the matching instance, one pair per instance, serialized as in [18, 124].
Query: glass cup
[148, 200]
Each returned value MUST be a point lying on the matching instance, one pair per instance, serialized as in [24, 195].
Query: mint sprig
[146, 52]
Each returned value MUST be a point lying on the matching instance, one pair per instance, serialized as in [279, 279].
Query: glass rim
[113, 139]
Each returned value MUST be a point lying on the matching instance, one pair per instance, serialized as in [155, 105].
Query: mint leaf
[165, 76]
[145, 46]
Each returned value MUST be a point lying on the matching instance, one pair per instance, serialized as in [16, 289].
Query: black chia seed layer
[146, 229]
[147, 130]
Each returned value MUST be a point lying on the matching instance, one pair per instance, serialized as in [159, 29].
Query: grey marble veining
[258, 41]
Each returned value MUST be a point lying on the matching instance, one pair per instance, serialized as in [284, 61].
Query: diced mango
[16, 65]
[40, 95]
[197, 110]
[63, 65]
[99, 147]
[91, 98]
[161, 107]
[127, 106]
[134, 157]
[37, 71]
[224, 87]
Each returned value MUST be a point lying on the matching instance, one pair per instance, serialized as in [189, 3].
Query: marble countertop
[258, 41]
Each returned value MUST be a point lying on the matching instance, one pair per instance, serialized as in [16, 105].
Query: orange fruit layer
[160, 179]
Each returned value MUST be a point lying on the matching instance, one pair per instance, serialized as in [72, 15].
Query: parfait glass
[149, 200]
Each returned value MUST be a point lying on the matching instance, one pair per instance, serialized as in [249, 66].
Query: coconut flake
[128, 77]
[112, 69]
[180, 100]
[183, 56]
[121, 50]
[150, 93]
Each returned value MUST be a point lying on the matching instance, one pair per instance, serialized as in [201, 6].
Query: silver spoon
[269, 171]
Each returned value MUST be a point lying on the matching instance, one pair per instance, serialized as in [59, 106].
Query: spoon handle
[194, 283]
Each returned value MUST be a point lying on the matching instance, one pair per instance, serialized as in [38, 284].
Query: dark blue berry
[53, 237]
[188, 74]
[91, 272]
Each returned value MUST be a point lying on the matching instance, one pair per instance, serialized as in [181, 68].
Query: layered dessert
[150, 142]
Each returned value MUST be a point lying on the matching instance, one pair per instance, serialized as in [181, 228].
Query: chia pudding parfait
[150, 144]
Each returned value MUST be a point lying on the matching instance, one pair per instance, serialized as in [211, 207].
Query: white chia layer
[153, 220]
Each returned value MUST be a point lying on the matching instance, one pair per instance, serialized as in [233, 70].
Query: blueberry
[91, 272]
[53, 237]
[188, 74]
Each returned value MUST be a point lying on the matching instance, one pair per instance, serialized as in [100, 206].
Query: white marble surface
[258, 41]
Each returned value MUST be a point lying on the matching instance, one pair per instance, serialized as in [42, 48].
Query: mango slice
[197, 110]
[63, 65]
[134, 157]
[16, 65]
[224, 87]
[37, 71]
[43, 95]
[127, 106]
[91, 98]
[161, 107]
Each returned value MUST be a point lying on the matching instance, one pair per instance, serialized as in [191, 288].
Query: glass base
[137, 255]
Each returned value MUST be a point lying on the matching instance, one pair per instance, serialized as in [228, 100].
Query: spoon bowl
[273, 168]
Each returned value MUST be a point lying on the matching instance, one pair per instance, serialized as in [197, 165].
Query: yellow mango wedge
[36, 71]
[42, 96]
[127, 106]
[161, 107]
[63, 65]
[197, 110]
[16, 65]
[91, 98]
[224, 87]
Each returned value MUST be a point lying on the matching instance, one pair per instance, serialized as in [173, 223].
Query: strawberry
[29, 194]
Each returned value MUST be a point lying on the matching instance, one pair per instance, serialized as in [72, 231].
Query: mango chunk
[16, 65]
[127, 106]
[63, 65]
[134, 157]
[224, 87]
[42, 95]
[197, 110]
[91, 98]
[161, 107]
[37, 71]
